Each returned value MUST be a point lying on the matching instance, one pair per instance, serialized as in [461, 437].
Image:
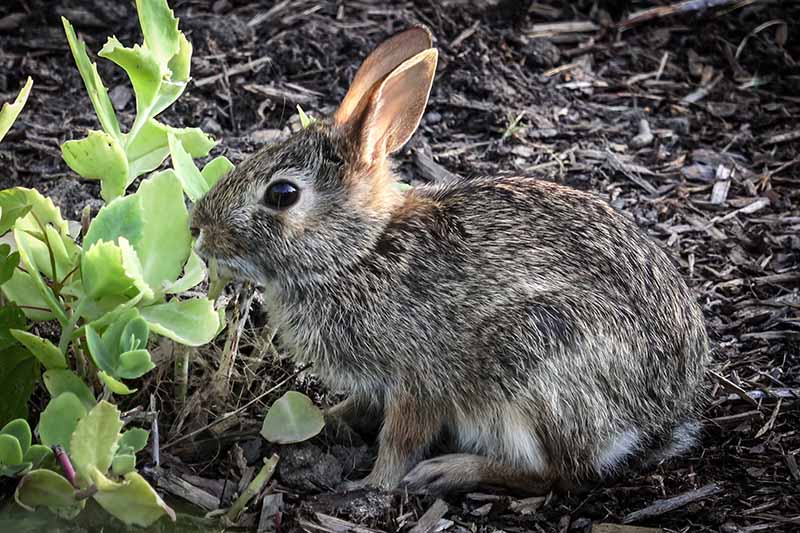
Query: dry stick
[660, 507]
[680, 7]
[241, 311]
[237, 411]
[428, 521]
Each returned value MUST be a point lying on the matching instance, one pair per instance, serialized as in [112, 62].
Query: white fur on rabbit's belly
[505, 435]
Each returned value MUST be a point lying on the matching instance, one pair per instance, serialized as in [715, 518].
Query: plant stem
[253, 488]
[182, 360]
[66, 331]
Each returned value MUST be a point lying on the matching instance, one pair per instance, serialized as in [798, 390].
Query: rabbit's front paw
[377, 480]
[441, 475]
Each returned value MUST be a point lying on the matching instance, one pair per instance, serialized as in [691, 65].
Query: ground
[686, 123]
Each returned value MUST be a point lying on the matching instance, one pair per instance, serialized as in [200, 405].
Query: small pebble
[433, 118]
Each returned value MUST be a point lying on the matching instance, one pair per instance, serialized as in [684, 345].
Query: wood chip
[620, 528]
[427, 523]
[660, 507]
[331, 524]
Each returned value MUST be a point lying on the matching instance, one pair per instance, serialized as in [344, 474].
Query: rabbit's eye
[281, 195]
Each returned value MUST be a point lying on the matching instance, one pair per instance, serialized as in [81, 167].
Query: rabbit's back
[536, 319]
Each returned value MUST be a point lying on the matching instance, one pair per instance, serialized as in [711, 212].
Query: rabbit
[526, 323]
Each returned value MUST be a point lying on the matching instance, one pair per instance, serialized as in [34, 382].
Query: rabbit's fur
[539, 330]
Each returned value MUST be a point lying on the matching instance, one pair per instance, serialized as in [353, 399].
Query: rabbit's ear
[395, 108]
[383, 60]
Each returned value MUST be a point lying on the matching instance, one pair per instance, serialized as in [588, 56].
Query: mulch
[685, 122]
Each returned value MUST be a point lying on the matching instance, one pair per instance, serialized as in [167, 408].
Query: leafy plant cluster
[109, 285]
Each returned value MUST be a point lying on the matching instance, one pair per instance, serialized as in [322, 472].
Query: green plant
[108, 285]
[10, 112]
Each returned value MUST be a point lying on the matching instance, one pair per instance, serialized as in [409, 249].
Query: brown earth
[714, 178]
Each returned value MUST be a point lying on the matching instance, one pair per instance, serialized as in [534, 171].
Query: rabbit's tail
[684, 437]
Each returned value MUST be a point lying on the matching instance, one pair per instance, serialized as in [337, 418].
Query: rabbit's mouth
[238, 269]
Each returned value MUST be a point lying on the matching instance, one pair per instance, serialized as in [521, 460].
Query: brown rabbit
[530, 324]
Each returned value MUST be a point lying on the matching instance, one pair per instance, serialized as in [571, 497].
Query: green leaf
[193, 274]
[20, 430]
[305, 121]
[166, 242]
[44, 350]
[16, 205]
[193, 182]
[102, 271]
[135, 335]
[8, 262]
[190, 322]
[182, 62]
[10, 112]
[44, 488]
[15, 470]
[150, 147]
[133, 440]
[215, 169]
[59, 420]
[124, 217]
[58, 382]
[144, 71]
[37, 455]
[292, 418]
[123, 464]
[135, 503]
[94, 85]
[10, 450]
[19, 373]
[114, 385]
[23, 290]
[104, 357]
[99, 157]
[11, 317]
[160, 29]
[134, 364]
[94, 441]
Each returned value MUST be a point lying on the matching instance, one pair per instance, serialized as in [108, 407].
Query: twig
[680, 7]
[241, 311]
[237, 411]
[660, 507]
[428, 521]
[238, 69]
[253, 488]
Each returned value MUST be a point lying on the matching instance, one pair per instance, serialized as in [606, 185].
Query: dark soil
[718, 183]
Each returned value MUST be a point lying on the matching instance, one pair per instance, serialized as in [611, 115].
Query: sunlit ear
[396, 106]
[384, 59]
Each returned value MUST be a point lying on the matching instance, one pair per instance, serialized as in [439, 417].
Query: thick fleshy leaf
[191, 322]
[44, 350]
[94, 441]
[124, 217]
[104, 357]
[181, 63]
[215, 169]
[44, 488]
[16, 205]
[122, 464]
[135, 503]
[166, 242]
[148, 150]
[20, 430]
[10, 111]
[134, 364]
[144, 71]
[99, 156]
[292, 418]
[160, 29]
[193, 182]
[58, 382]
[94, 85]
[23, 290]
[114, 385]
[193, 274]
[10, 450]
[133, 440]
[59, 420]
[8, 262]
[11, 317]
[15, 470]
[19, 373]
[37, 455]
[135, 335]
[102, 271]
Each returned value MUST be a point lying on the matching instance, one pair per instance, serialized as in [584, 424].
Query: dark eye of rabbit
[281, 195]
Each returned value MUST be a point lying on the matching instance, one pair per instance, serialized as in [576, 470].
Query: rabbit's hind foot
[461, 472]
